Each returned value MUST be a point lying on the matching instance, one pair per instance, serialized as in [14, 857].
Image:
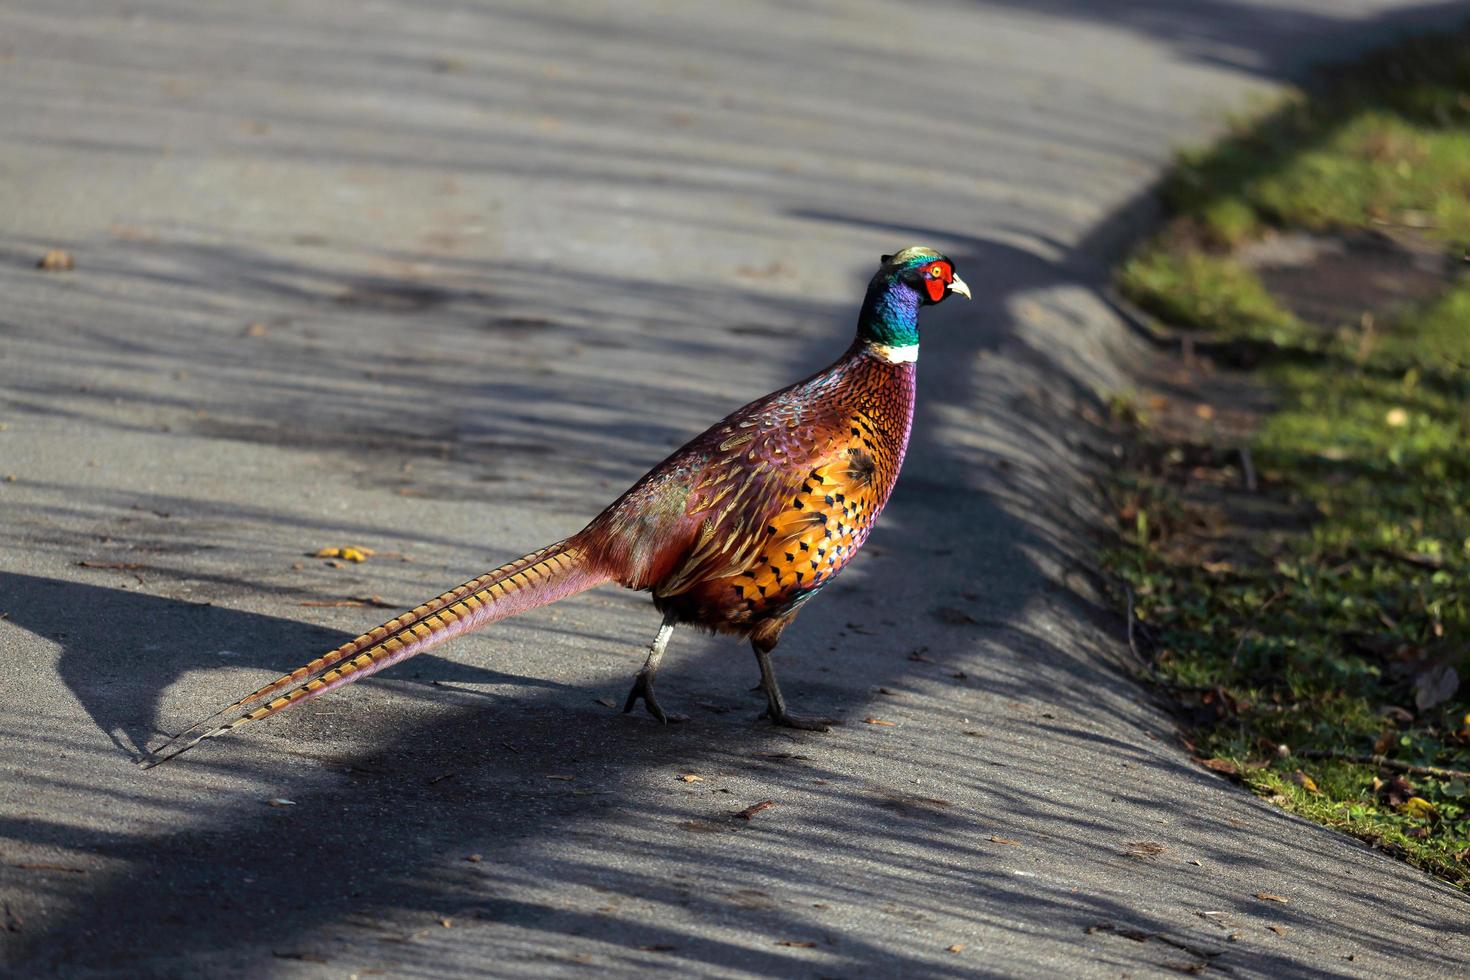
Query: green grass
[1208, 292]
[1384, 140]
[1326, 639]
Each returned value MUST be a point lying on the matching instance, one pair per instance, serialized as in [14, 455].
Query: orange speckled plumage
[776, 498]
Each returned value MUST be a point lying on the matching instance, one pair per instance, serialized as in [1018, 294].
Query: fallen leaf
[1398, 791]
[955, 948]
[57, 260]
[1270, 897]
[755, 808]
[1419, 808]
[473, 858]
[607, 702]
[1305, 782]
[346, 553]
[1003, 840]
[1279, 930]
[565, 779]
[796, 943]
[1225, 766]
[1145, 849]
[689, 777]
[656, 948]
[280, 801]
[126, 566]
[256, 330]
[1204, 411]
[879, 721]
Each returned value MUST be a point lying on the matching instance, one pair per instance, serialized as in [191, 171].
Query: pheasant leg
[643, 683]
[776, 704]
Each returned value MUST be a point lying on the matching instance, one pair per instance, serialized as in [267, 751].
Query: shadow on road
[543, 818]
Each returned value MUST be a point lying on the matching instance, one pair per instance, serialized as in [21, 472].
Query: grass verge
[1316, 626]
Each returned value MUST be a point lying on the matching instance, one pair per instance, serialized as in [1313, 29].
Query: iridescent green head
[906, 280]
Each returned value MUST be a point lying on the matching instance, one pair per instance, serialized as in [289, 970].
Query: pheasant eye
[936, 271]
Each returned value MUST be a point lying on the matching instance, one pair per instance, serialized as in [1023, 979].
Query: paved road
[441, 279]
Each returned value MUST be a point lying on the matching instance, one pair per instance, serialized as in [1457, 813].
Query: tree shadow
[551, 833]
[120, 650]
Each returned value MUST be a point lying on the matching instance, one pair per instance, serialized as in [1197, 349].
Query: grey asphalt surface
[500, 259]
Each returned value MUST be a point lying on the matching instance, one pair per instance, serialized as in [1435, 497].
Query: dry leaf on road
[755, 808]
[57, 260]
[346, 553]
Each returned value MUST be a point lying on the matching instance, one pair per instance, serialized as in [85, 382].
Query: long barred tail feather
[536, 579]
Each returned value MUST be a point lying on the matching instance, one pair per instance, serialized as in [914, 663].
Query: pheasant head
[906, 280]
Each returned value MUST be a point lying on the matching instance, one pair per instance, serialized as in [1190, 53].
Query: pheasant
[733, 533]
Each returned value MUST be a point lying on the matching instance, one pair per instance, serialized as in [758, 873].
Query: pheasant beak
[957, 285]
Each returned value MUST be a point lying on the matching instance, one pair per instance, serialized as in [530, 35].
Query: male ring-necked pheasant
[732, 533]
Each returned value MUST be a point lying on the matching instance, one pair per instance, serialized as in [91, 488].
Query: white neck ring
[895, 355]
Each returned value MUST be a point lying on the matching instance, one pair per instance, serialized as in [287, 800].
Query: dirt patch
[1332, 280]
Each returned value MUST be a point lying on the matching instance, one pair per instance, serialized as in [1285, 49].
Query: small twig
[1248, 469]
[1378, 760]
[1408, 558]
[1132, 643]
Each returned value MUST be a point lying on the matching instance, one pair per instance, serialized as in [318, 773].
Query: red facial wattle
[936, 280]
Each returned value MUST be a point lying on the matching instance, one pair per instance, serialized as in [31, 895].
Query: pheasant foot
[643, 688]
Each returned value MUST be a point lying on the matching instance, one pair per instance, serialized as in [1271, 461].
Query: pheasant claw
[643, 688]
[801, 722]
